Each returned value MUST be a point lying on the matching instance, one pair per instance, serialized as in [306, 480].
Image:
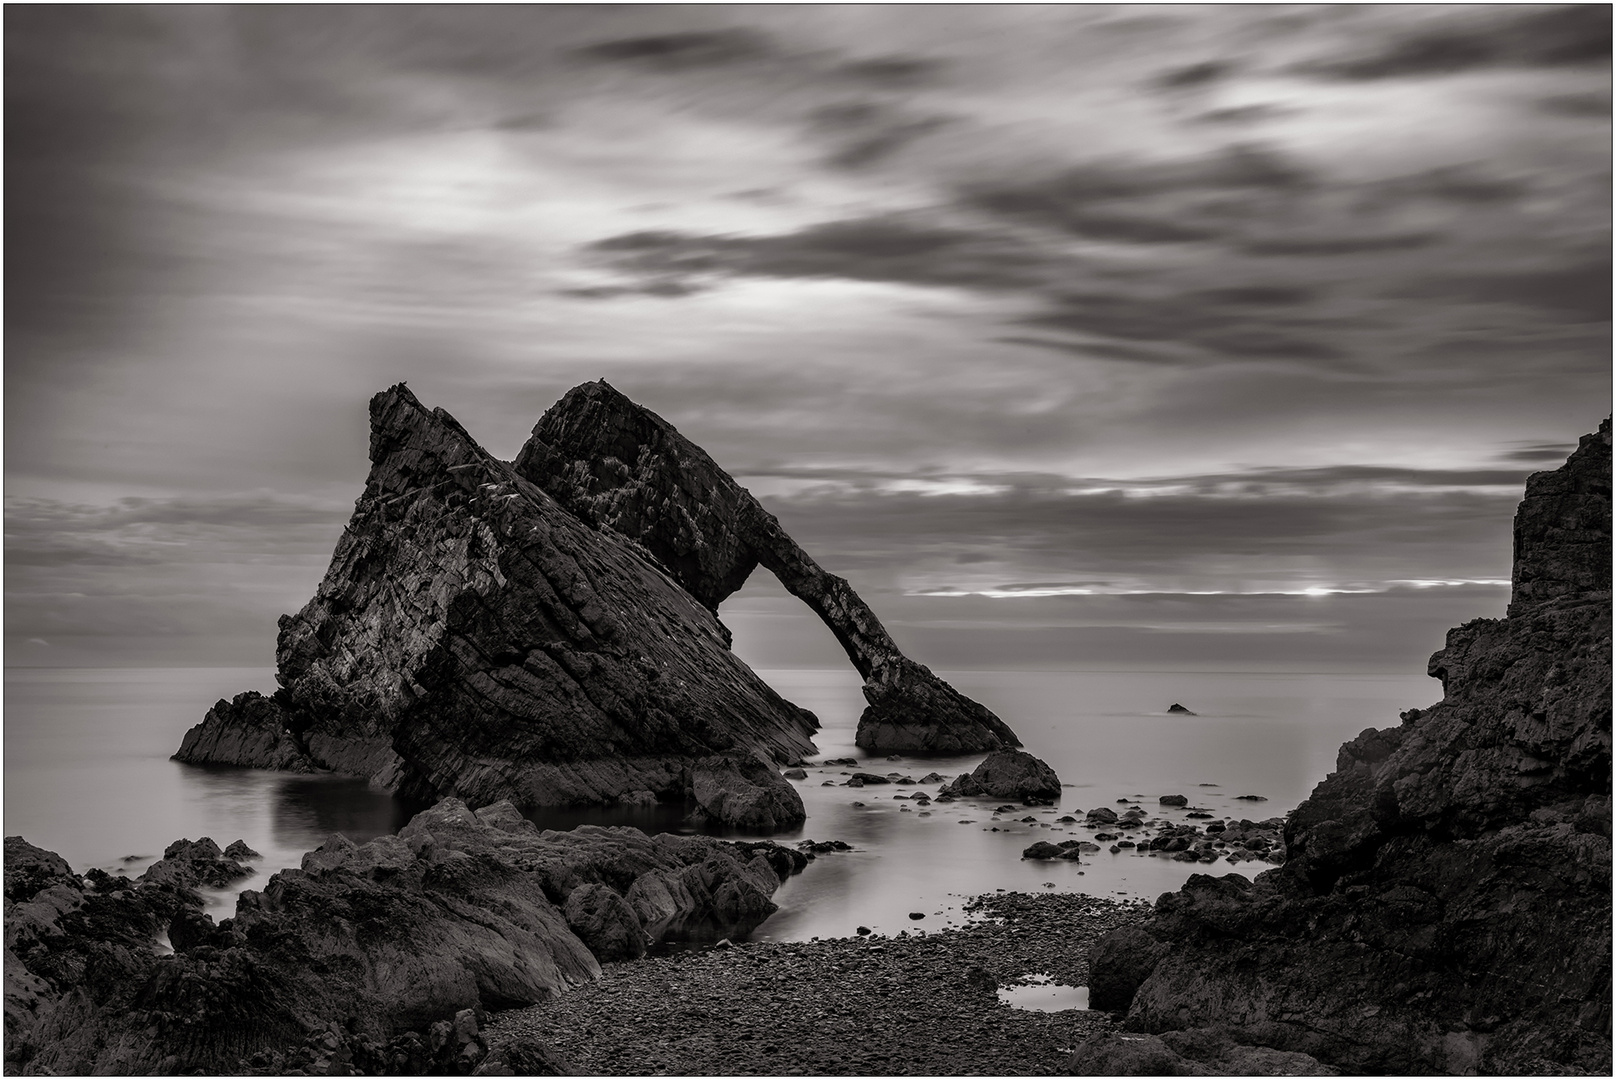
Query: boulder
[1043, 849]
[1122, 961]
[1173, 800]
[745, 793]
[1445, 904]
[1179, 710]
[606, 923]
[1009, 774]
[869, 778]
[1201, 1052]
[473, 638]
[620, 466]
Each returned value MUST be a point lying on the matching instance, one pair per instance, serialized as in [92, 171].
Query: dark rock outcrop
[474, 639]
[620, 466]
[250, 730]
[460, 911]
[1446, 903]
[1008, 774]
[1188, 1053]
[745, 793]
[1043, 849]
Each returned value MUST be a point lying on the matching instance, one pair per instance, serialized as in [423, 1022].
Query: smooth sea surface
[88, 775]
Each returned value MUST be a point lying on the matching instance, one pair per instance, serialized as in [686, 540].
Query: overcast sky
[1070, 334]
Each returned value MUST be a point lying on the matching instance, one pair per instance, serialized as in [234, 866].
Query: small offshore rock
[1009, 774]
[1173, 800]
[1043, 849]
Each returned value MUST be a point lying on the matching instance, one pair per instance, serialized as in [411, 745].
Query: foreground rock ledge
[1446, 903]
[459, 911]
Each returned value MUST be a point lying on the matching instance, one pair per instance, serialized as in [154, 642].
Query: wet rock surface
[473, 638]
[861, 1005]
[1445, 906]
[459, 911]
[620, 466]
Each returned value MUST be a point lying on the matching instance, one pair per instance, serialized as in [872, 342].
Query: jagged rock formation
[1446, 903]
[459, 911]
[473, 638]
[620, 466]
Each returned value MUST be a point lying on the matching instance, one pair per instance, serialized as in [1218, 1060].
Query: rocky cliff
[1446, 903]
[357, 953]
[472, 638]
[620, 466]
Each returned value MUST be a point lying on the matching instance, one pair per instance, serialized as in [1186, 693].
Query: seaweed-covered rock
[1445, 906]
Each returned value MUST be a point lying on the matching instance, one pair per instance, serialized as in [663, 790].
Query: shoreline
[914, 1003]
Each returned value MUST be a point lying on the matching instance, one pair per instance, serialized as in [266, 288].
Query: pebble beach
[913, 1003]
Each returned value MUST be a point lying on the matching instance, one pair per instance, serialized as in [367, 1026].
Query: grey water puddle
[1041, 993]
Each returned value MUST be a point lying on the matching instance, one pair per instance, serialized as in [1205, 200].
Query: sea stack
[1446, 903]
[619, 465]
[488, 631]
[474, 639]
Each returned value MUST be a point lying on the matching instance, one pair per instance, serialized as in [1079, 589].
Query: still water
[87, 775]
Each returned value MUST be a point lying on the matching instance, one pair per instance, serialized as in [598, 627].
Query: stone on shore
[1043, 849]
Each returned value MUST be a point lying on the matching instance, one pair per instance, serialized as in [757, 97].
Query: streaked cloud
[681, 52]
[1190, 299]
[1505, 37]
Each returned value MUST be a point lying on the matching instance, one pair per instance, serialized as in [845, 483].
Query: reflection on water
[1040, 993]
[88, 775]
[306, 806]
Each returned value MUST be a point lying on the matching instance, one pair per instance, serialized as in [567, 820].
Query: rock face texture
[745, 792]
[474, 639]
[622, 467]
[1446, 903]
[459, 911]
